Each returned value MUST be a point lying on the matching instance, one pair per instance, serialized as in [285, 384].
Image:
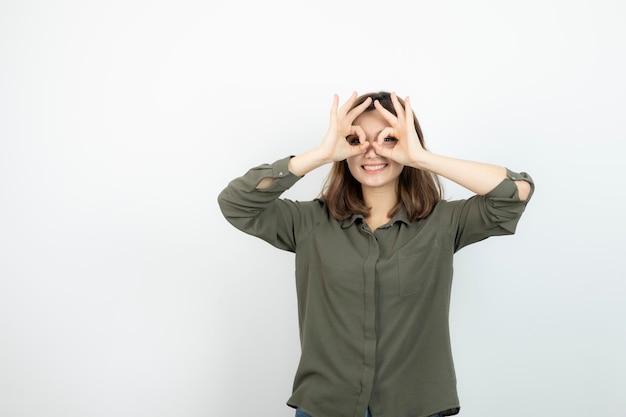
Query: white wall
[123, 291]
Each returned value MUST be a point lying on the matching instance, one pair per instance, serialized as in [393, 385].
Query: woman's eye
[390, 141]
[353, 140]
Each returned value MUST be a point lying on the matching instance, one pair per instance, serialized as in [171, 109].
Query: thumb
[382, 150]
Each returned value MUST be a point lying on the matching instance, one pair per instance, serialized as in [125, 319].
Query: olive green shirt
[373, 305]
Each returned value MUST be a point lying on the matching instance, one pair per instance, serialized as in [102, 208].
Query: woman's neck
[380, 200]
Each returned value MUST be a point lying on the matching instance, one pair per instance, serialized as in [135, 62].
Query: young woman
[374, 257]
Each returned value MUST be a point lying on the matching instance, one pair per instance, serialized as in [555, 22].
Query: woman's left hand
[407, 149]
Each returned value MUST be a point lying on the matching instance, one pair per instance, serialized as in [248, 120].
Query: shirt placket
[369, 321]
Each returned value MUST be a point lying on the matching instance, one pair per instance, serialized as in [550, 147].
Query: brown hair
[418, 191]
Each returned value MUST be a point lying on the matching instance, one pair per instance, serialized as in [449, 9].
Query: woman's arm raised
[477, 177]
[334, 146]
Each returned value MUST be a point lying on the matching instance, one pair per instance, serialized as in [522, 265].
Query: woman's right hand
[336, 145]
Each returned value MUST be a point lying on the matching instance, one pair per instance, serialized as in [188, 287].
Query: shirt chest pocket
[417, 268]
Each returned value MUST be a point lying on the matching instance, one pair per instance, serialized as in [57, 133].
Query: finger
[363, 144]
[389, 116]
[382, 150]
[348, 104]
[360, 149]
[358, 131]
[384, 134]
[333, 110]
[358, 110]
[398, 107]
[408, 112]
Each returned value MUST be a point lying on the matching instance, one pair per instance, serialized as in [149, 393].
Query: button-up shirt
[373, 306]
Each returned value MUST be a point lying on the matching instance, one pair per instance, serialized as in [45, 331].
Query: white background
[124, 292]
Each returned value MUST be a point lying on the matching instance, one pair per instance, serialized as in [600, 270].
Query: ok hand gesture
[408, 149]
[334, 146]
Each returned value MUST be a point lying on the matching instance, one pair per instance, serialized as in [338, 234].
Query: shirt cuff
[517, 176]
[508, 189]
[280, 171]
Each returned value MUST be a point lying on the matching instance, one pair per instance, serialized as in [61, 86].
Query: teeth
[373, 167]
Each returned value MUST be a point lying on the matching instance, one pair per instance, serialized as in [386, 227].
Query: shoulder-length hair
[418, 190]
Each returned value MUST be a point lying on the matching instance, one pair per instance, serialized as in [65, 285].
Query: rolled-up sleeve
[493, 214]
[260, 212]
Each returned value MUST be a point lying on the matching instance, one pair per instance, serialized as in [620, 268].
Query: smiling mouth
[373, 168]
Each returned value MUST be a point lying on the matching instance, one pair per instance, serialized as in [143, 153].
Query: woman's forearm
[477, 177]
[299, 165]
[302, 164]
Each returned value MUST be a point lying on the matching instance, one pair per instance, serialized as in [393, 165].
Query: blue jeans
[300, 413]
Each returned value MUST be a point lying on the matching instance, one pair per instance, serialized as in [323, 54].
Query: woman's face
[369, 168]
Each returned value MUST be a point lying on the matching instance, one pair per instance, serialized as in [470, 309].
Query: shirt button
[280, 174]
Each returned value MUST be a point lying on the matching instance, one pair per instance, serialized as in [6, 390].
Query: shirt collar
[400, 216]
